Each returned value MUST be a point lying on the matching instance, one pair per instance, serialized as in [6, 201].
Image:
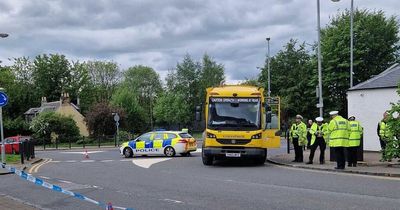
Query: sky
[158, 33]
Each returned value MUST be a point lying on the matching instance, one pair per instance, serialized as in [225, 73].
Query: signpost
[3, 102]
[116, 119]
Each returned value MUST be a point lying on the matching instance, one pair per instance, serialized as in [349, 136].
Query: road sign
[116, 117]
[3, 99]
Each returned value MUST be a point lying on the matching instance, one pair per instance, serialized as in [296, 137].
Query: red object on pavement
[86, 155]
[12, 143]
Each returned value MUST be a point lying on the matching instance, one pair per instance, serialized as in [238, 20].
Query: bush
[51, 124]
[392, 149]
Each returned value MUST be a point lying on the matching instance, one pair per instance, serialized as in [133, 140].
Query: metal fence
[83, 142]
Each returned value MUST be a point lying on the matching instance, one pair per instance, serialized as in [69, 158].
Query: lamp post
[2, 35]
[320, 104]
[351, 39]
[269, 70]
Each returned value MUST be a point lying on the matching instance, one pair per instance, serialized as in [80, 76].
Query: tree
[80, 87]
[49, 124]
[392, 149]
[100, 119]
[211, 74]
[104, 76]
[146, 85]
[127, 99]
[51, 75]
[292, 79]
[376, 47]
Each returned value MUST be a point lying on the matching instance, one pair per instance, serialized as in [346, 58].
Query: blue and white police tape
[47, 185]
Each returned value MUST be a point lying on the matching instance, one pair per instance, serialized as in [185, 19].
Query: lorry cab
[240, 123]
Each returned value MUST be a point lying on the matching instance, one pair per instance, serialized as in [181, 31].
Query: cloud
[159, 33]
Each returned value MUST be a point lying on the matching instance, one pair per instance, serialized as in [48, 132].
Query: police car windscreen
[234, 113]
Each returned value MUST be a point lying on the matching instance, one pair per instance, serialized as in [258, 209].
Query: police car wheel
[128, 152]
[169, 152]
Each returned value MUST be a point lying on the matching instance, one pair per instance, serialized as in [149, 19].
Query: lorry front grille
[234, 141]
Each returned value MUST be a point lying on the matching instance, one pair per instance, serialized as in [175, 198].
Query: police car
[168, 143]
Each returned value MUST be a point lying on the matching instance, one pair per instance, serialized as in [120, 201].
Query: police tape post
[40, 182]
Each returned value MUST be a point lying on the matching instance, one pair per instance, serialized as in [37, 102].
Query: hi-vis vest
[338, 132]
[355, 133]
[383, 130]
[299, 131]
[320, 131]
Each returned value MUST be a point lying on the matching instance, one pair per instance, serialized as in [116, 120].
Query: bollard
[21, 152]
[69, 141]
[32, 149]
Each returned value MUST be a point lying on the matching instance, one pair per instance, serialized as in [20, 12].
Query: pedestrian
[338, 129]
[383, 131]
[355, 135]
[319, 132]
[298, 136]
[309, 124]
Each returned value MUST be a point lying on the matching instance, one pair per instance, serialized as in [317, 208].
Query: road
[184, 183]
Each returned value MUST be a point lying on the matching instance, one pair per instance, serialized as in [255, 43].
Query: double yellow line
[36, 167]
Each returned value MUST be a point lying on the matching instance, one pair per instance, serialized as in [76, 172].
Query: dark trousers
[298, 150]
[319, 142]
[308, 140]
[352, 156]
[383, 144]
[340, 158]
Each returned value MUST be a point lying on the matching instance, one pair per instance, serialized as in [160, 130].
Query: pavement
[369, 166]
[20, 166]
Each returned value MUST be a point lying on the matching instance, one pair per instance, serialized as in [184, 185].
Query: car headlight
[210, 135]
[257, 136]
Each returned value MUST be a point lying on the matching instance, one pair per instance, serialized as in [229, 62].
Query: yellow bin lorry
[240, 123]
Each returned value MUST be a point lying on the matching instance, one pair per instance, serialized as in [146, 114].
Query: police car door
[158, 143]
[140, 142]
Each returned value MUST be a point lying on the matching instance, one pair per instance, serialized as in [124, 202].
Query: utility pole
[320, 104]
[269, 70]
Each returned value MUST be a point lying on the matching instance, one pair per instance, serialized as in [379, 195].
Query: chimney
[65, 98]
[44, 100]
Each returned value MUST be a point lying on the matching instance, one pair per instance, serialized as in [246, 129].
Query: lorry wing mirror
[269, 117]
[267, 108]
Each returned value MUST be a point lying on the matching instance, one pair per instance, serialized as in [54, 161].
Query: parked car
[166, 143]
[11, 143]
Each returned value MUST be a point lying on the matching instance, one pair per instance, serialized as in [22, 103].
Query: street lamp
[351, 40]
[269, 70]
[320, 104]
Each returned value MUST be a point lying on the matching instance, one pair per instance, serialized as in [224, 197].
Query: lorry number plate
[232, 154]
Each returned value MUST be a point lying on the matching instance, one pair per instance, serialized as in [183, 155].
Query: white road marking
[68, 182]
[87, 161]
[83, 152]
[106, 161]
[70, 161]
[55, 161]
[173, 201]
[44, 177]
[148, 162]
[198, 150]
[125, 160]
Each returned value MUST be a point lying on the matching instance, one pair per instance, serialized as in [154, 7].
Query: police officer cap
[299, 117]
[319, 119]
[333, 112]
[352, 117]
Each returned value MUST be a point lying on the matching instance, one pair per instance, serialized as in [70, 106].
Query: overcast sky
[159, 33]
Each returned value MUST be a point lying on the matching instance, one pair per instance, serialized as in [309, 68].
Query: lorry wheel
[207, 160]
[261, 160]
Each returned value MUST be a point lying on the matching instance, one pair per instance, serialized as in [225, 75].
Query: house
[64, 107]
[368, 101]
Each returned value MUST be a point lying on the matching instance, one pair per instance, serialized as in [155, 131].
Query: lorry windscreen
[234, 114]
